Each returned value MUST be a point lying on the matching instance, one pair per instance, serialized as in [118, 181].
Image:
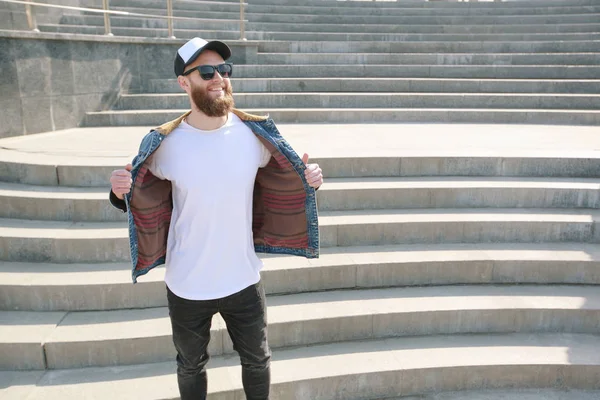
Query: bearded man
[204, 194]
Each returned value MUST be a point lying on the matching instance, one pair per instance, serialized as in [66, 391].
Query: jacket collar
[170, 126]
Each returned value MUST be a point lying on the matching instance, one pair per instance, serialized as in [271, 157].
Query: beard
[213, 107]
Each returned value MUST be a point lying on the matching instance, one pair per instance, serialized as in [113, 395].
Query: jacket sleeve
[116, 202]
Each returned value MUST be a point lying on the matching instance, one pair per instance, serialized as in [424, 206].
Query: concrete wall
[49, 81]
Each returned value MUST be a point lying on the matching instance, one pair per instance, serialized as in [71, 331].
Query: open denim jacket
[284, 219]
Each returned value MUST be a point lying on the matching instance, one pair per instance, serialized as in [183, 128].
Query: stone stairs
[461, 270]
[393, 61]
[440, 273]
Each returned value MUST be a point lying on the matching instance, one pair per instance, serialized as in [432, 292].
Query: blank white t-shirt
[210, 249]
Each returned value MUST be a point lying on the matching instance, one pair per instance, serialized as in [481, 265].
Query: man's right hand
[120, 181]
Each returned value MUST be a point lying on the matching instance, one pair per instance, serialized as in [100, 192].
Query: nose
[217, 76]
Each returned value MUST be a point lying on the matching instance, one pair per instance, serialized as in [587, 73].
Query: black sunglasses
[207, 72]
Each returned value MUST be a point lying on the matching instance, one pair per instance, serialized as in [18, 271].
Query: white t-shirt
[210, 249]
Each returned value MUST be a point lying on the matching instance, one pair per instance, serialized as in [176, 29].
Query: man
[204, 194]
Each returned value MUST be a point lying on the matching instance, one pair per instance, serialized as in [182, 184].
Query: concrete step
[362, 228]
[196, 6]
[90, 204]
[418, 71]
[401, 85]
[234, 34]
[552, 101]
[355, 370]
[375, 7]
[185, 4]
[52, 241]
[26, 342]
[82, 242]
[201, 19]
[256, 12]
[365, 115]
[416, 163]
[584, 46]
[457, 192]
[53, 203]
[467, 28]
[427, 36]
[420, 20]
[385, 16]
[142, 32]
[430, 5]
[52, 170]
[86, 287]
[151, 23]
[126, 337]
[13, 19]
[399, 16]
[203, 9]
[509, 394]
[407, 165]
[156, 23]
[151, 6]
[81, 157]
[467, 59]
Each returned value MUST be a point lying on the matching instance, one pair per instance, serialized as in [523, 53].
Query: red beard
[212, 107]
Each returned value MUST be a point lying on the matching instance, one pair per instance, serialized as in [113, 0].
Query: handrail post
[31, 17]
[106, 19]
[170, 18]
[242, 30]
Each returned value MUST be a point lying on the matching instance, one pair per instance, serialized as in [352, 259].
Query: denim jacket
[284, 212]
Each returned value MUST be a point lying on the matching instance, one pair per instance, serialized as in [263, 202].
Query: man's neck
[201, 121]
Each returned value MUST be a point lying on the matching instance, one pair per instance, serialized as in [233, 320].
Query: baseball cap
[192, 49]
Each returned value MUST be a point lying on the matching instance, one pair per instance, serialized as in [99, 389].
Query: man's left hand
[313, 173]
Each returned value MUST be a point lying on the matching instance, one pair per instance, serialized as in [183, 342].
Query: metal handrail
[106, 18]
[31, 17]
[170, 20]
[242, 33]
[107, 13]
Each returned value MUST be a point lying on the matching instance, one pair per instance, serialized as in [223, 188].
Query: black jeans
[245, 315]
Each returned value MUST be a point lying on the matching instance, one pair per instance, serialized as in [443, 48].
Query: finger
[121, 186]
[315, 181]
[310, 170]
[121, 182]
[305, 158]
[314, 178]
[316, 172]
[129, 167]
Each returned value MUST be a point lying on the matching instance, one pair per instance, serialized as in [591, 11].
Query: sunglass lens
[207, 72]
[225, 70]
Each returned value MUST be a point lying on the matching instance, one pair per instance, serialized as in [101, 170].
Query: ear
[183, 83]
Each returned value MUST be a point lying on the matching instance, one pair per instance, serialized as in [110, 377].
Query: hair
[213, 107]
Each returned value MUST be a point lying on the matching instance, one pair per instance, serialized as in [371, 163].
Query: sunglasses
[207, 72]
